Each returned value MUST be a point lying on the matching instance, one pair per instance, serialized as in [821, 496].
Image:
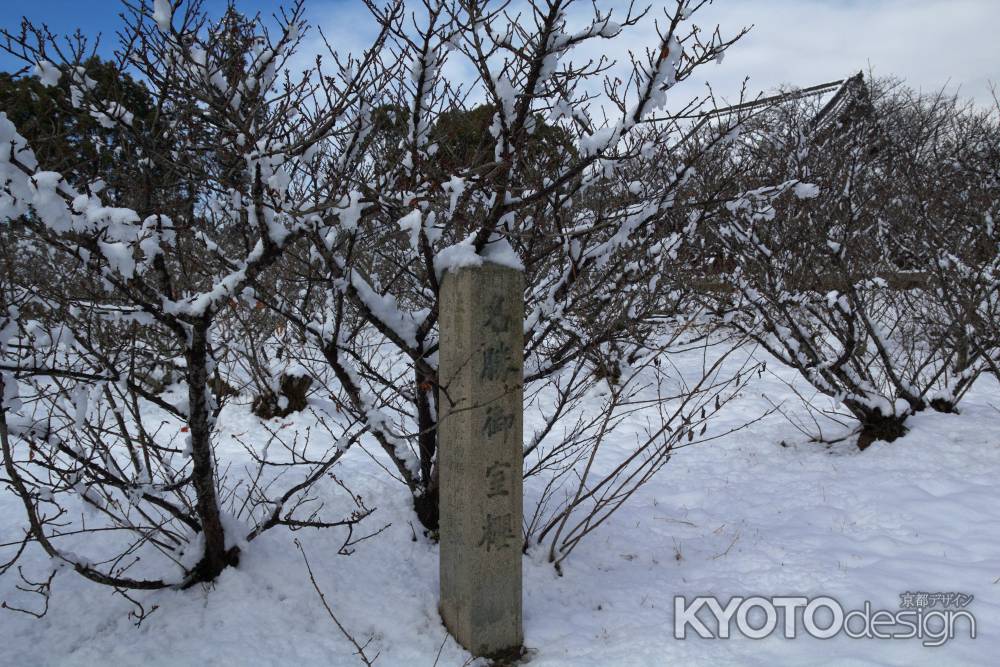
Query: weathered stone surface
[480, 457]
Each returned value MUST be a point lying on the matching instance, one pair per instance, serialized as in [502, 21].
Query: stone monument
[480, 457]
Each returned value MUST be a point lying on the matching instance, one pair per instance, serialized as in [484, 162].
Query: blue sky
[930, 43]
[102, 16]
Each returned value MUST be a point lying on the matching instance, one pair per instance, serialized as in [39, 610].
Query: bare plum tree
[108, 283]
[532, 163]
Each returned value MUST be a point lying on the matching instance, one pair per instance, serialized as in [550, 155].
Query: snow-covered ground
[744, 515]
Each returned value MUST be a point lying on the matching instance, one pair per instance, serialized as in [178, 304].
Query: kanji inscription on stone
[480, 456]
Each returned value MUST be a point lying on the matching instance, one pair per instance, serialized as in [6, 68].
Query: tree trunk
[426, 504]
[875, 426]
[215, 557]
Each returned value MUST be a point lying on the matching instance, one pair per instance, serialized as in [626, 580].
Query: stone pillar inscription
[480, 457]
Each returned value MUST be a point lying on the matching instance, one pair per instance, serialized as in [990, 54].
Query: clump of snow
[412, 223]
[806, 190]
[119, 256]
[463, 254]
[115, 112]
[455, 257]
[386, 309]
[454, 187]
[502, 252]
[163, 12]
[47, 73]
